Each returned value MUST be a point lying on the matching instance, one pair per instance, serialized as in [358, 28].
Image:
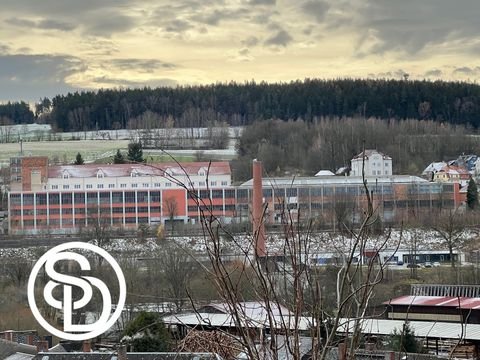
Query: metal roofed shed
[437, 301]
[336, 180]
[422, 329]
[252, 315]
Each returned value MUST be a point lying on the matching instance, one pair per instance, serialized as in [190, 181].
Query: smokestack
[122, 352]
[42, 346]
[87, 346]
[258, 220]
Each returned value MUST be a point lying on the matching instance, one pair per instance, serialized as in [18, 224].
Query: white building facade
[374, 162]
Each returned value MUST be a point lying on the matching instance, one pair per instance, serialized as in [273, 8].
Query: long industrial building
[67, 199]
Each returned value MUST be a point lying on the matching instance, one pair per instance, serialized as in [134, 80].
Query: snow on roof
[434, 167]
[252, 309]
[159, 169]
[369, 153]
[336, 180]
[454, 170]
[324, 173]
[227, 320]
[253, 314]
[422, 329]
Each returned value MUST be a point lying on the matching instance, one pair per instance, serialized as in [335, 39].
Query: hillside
[242, 104]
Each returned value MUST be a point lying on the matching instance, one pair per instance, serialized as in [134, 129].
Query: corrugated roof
[19, 356]
[252, 309]
[422, 329]
[226, 320]
[336, 180]
[159, 169]
[438, 301]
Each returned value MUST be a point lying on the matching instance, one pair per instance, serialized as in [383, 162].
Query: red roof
[438, 301]
[159, 169]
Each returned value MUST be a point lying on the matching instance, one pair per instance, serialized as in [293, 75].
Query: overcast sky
[49, 47]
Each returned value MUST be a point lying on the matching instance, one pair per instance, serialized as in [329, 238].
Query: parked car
[428, 264]
[436, 264]
[399, 262]
[413, 266]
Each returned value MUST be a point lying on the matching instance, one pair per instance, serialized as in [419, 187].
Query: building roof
[159, 169]
[434, 167]
[324, 173]
[422, 329]
[130, 356]
[335, 180]
[253, 315]
[19, 356]
[226, 320]
[454, 170]
[437, 301]
[252, 309]
[369, 153]
[8, 348]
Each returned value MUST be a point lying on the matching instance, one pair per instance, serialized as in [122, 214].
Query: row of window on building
[132, 185]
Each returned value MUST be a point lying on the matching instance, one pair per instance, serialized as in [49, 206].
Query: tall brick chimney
[87, 346]
[257, 210]
[42, 346]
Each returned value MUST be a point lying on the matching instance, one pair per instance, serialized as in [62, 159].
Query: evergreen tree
[472, 195]
[148, 333]
[404, 341]
[135, 152]
[79, 160]
[119, 158]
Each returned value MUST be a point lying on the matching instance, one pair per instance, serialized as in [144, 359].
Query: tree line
[245, 103]
[299, 147]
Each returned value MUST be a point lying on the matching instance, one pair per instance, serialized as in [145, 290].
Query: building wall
[375, 165]
[69, 203]
[71, 211]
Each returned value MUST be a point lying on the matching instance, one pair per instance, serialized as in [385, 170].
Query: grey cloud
[135, 84]
[308, 30]
[434, 73]
[30, 77]
[410, 26]
[140, 65]
[20, 22]
[55, 8]
[393, 74]
[105, 24]
[47, 24]
[95, 17]
[251, 41]
[216, 16]
[317, 9]
[465, 70]
[4, 48]
[55, 25]
[177, 26]
[261, 2]
[281, 38]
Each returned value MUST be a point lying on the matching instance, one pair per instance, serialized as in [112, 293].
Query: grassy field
[65, 151]
[99, 151]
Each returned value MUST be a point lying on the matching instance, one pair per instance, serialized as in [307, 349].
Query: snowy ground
[317, 243]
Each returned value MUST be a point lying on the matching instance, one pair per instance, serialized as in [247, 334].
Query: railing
[445, 290]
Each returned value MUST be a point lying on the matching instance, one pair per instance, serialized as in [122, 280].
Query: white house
[376, 164]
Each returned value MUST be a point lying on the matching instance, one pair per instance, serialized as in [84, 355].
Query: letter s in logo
[50, 258]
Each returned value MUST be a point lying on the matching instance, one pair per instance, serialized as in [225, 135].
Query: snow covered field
[317, 243]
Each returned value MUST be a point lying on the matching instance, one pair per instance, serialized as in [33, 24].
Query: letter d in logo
[85, 283]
